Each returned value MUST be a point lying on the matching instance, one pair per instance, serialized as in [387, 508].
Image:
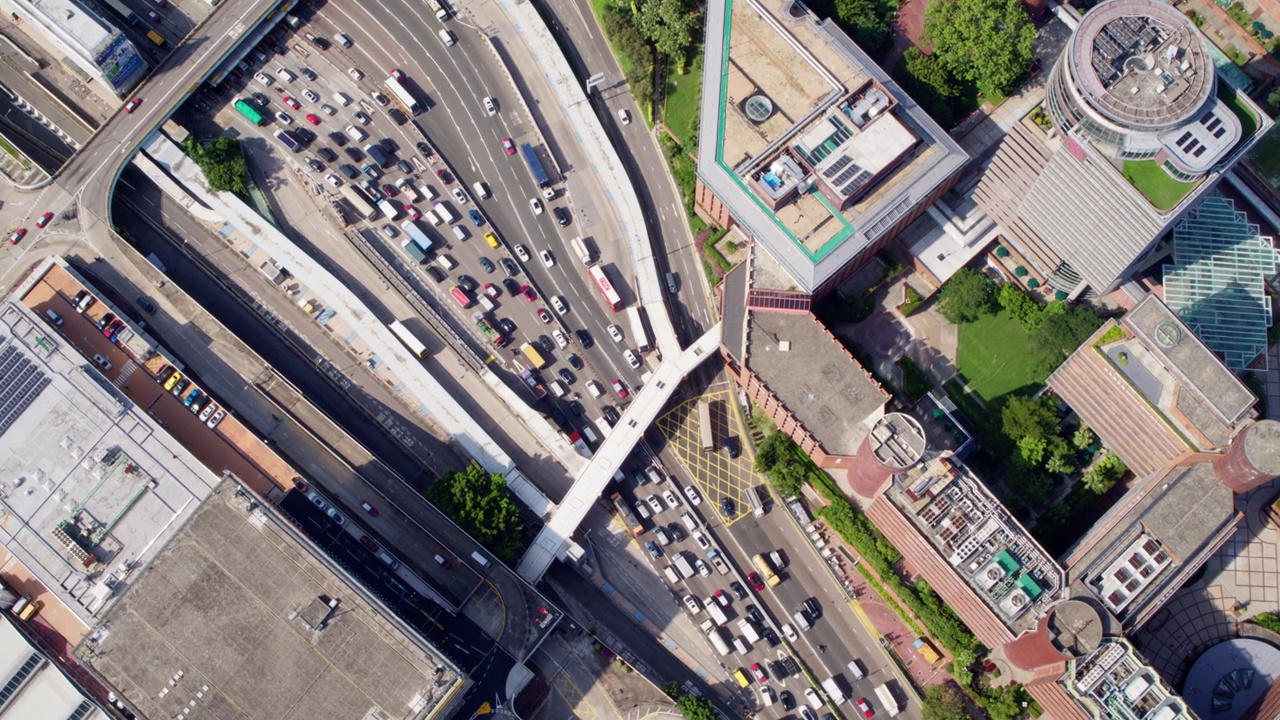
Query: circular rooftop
[1074, 628]
[1262, 447]
[1141, 64]
[1228, 677]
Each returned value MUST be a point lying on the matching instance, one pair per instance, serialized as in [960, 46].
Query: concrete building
[807, 146]
[87, 43]
[31, 684]
[1142, 126]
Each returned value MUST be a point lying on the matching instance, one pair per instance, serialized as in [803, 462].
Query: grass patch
[1266, 155]
[992, 356]
[680, 108]
[1248, 121]
[1155, 184]
[4, 144]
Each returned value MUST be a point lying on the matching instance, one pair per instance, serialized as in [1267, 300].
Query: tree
[967, 295]
[696, 708]
[1060, 456]
[222, 163]
[868, 21]
[1024, 417]
[1005, 703]
[929, 83]
[787, 478]
[986, 41]
[1022, 307]
[1082, 438]
[943, 702]
[670, 25]
[775, 449]
[1105, 474]
[480, 503]
[1059, 334]
[634, 49]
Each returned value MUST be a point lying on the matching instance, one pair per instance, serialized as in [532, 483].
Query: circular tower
[1070, 629]
[1253, 458]
[895, 443]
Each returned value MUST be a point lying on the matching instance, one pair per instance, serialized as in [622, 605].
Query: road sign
[594, 80]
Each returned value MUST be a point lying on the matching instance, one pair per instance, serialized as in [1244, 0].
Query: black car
[776, 669]
[727, 508]
[611, 416]
[338, 138]
[354, 153]
[812, 607]
[655, 552]
[788, 701]
[389, 146]
[575, 362]
[486, 264]
[263, 100]
[770, 637]
[425, 149]
[147, 306]
[731, 446]
[512, 286]
[738, 590]
[305, 135]
[315, 164]
[566, 376]
[349, 170]
[547, 344]
[106, 320]
[754, 613]
[575, 407]
[506, 326]
[468, 283]
[584, 337]
[436, 273]
[562, 216]
[790, 665]
[396, 116]
[327, 153]
[405, 167]
[307, 73]
[509, 267]
[320, 42]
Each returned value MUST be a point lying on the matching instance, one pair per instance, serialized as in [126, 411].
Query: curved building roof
[1141, 64]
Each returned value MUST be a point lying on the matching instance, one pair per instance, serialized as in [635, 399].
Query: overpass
[554, 537]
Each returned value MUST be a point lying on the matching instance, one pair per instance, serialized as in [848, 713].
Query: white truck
[716, 636]
[717, 614]
[887, 699]
[682, 564]
[748, 630]
[580, 248]
[390, 210]
[834, 691]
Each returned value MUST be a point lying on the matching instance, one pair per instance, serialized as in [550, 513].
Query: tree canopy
[943, 702]
[696, 708]
[966, 295]
[671, 25]
[986, 41]
[222, 163]
[868, 21]
[776, 458]
[1061, 331]
[480, 503]
[929, 83]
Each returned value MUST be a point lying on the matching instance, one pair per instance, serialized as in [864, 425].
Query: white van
[481, 559]
[431, 217]
[390, 561]
[642, 509]
[356, 133]
[430, 192]
[54, 317]
[342, 99]
[460, 233]
[663, 538]
[481, 190]
[445, 212]
[739, 645]
[557, 388]
[486, 302]
[595, 389]
[855, 669]
[589, 434]
[802, 620]
[672, 577]
[446, 37]
[447, 261]
[690, 523]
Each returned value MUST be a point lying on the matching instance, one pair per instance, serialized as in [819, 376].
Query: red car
[155, 16]
[389, 190]
[133, 105]
[412, 212]
[17, 236]
[369, 544]
[544, 316]
[758, 673]
[365, 506]
[287, 100]
[313, 119]
[528, 293]
[44, 219]
[864, 707]
[509, 146]
[444, 176]
[754, 579]
[395, 73]
[617, 387]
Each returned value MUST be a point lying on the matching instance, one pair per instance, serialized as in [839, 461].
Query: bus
[605, 287]
[766, 570]
[413, 344]
[401, 94]
[249, 111]
[531, 353]
[626, 515]
[638, 333]
[704, 426]
[363, 207]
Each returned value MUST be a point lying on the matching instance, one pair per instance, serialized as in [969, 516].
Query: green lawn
[992, 356]
[684, 92]
[1248, 121]
[1155, 184]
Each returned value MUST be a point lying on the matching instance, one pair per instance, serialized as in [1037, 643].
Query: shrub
[912, 302]
[1022, 307]
[966, 295]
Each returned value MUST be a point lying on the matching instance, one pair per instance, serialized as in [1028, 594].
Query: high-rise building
[1141, 126]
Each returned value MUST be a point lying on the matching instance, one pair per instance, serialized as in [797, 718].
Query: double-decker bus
[638, 334]
[611, 297]
[411, 343]
[401, 94]
[626, 515]
[250, 112]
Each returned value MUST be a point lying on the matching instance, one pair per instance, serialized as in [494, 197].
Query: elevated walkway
[553, 540]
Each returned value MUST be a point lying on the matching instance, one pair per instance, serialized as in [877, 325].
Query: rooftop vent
[784, 346]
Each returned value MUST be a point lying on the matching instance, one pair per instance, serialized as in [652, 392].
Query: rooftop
[1152, 540]
[236, 618]
[1217, 282]
[982, 543]
[1141, 63]
[93, 484]
[806, 140]
[1115, 683]
[32, 686]
[1229, 678]
[811, 373]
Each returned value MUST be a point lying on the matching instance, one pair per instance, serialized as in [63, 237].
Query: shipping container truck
[413, 251]
[359, 201]
[887, 699]
[580, 247]
[416, 235]
[834, 692]
[748, 630]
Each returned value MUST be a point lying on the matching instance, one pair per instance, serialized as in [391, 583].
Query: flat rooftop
[234, 619]
[35, 686]
[812, 147]
[94, 485]
[811, 373]
[1114, 681]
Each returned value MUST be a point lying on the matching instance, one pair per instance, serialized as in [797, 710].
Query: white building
[86, 43]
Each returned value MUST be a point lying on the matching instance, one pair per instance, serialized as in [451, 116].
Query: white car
[328, 109]
[343, 39]
[656, 503]
[355, 74]
[702, 540]
[285, 75]
[692, 603]
[490, 106]
[767, 696]
[337, 516]
[557, 303]
[789, 632]
[615, 332]
[333, 180]
[671, 498]
[625, 116]
[460, 196]
[561, 341]
[631, 358]
[547, 259]
[318, 501]
[536, 204]
[811, 696]
[265, 79]
[522, 252]
[284, 118]
[692, 494]
[702, 568]
[311, 95]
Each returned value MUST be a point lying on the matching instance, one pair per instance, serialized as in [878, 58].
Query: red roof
[1057, 703]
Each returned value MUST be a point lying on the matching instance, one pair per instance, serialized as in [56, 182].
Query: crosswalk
[126, 372]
